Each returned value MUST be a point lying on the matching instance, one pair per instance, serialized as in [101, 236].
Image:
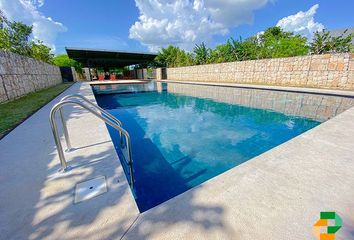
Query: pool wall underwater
[184, 134]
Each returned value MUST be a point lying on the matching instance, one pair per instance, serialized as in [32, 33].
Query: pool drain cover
[89, 189]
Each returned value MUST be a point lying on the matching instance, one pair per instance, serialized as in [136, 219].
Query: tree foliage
[272, 43]
[323, 42]
[16, 37]
[63, 60]
[41, 52]
[222, 53]
[202, 54]
[275, 43]
[173, 57]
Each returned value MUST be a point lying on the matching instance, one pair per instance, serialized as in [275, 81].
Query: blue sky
[147, 25]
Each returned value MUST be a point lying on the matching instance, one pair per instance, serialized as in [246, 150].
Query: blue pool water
[180, 141]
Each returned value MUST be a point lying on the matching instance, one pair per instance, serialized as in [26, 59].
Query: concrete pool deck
[37, 202]
[276, 195]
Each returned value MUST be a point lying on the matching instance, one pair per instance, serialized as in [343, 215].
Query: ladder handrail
[59, 146]
[78, 96]
[93, 105]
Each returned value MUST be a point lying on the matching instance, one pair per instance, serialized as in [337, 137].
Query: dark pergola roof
[108, 58]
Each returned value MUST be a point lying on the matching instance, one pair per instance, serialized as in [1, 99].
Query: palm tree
[202, 53]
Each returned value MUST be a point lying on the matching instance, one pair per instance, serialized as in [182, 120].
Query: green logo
[327, 226]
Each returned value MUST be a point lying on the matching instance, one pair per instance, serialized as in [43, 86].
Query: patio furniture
[112, 77]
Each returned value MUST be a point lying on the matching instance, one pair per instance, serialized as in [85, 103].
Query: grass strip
[16, 111]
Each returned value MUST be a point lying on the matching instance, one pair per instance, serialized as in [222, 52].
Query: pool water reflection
[180, 140]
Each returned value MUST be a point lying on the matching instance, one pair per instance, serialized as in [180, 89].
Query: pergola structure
[102, 58]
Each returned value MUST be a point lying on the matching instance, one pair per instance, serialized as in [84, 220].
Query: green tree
[41, 52]
[272, 43]
[63, 60]
[184, 58]
[173, 57]
[275, 42]
[165, 56]
[222, 53]
[323, 42]
[202, 54]
[243, 50]
[5, 41]
[16, 37]
[19, 38]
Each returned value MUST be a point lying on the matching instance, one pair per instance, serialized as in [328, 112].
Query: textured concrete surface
[37, 202]
[277, 195]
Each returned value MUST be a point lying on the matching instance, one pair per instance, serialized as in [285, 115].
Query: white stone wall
[158, 73]
[74, 74]
[145, 73]
[139, 73]
[334, 71]
[20, 75]
[87, 74]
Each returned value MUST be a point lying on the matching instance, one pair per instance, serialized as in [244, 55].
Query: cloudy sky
[148, 25]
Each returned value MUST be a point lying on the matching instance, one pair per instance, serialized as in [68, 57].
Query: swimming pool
[183, 134]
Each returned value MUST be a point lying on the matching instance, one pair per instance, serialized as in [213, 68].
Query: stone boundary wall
[333, 71]
[159, 73]
[75, 78]
[132, 74]
[144, 74]
[139, 74]
[20, 75]
[86, 74]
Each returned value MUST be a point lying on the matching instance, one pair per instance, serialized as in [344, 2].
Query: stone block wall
[145, 73]
[20, 75]
[75, 78]
[159, 73]
[333, 71]
[139, 74]
[132, 74]
[86, 73]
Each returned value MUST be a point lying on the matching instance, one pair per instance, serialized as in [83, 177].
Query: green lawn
[14, 112]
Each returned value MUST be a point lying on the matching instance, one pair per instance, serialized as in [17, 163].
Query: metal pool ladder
[98, 112]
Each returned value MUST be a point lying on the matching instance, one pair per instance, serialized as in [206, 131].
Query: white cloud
[187, 22]
[38, 3]
[302, 23]
[44, 28]
[204, 125]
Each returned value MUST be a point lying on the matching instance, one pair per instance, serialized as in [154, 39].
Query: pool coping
[108, 82]
[240, 203]
[320, 91]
